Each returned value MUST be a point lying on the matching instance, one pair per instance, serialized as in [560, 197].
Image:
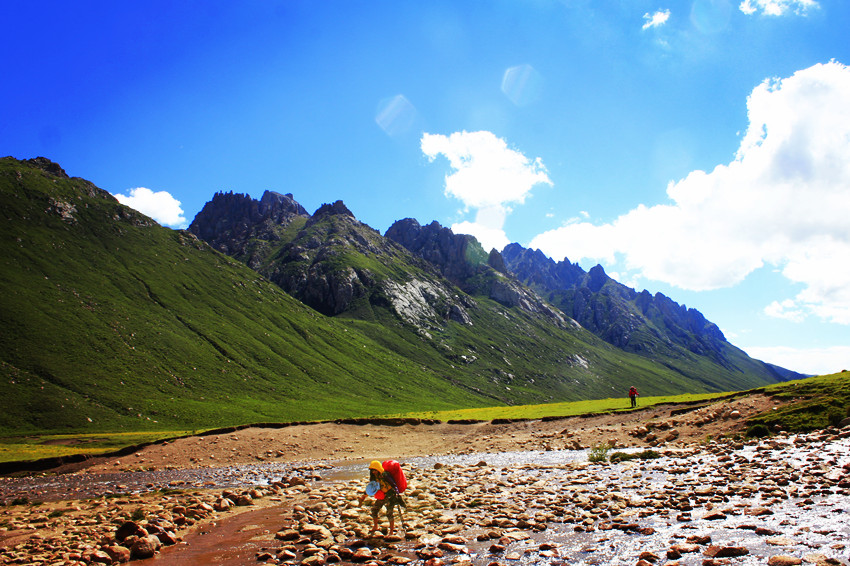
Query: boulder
[117, 553]
[145, 547]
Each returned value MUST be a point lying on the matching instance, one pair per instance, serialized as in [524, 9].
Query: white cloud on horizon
[777, 7]
[160, 206]
[817, 361]
[783, 201]
[659, 18]
[487, 176]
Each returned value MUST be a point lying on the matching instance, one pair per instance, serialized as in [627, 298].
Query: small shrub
[20, 501]
[56, 513]
[758, 431]
[834, 416]
[626, 456]
[138, 515]
[599, 453]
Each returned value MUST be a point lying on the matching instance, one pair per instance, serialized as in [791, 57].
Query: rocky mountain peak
[338, 208]
[272, 203]
[457, 256]
[598, 278]
[48, 167]
[230, 222]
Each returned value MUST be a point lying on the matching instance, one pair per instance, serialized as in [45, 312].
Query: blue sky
[700, 149]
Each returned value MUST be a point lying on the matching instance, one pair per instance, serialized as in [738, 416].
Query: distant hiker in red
[633, 394]
[386, 484]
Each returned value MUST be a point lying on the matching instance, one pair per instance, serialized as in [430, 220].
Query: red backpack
[394, 468]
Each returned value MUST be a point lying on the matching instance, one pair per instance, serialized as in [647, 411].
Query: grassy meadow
[816, 402]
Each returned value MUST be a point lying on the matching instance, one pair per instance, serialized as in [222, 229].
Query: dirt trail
[340, 442]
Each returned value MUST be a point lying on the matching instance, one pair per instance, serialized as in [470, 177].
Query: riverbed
[785, 498]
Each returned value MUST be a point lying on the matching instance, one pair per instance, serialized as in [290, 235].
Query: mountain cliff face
[428, 276]
[334, 263]
[653, 326]
[608, 308]
[244, 228]
[462, 260]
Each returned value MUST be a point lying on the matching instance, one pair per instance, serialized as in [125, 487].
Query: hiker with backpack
[633, 394]
[386, 484]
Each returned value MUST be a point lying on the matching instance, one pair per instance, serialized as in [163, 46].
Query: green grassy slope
[815, 403]
[110, 321]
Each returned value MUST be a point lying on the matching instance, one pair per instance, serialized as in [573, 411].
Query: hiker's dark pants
[389, 500]
[634, 400]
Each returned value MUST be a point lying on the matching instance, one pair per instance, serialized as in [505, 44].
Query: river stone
[100, 557]
[362, 554]
[458, 548]
[311, 550]
[289, 534]
[779, 541]
[784, 560]
[145, 547]
[685, 548]
[428, 553]
[725, 551]
[167, 538]
[117, 553]
[127, 529]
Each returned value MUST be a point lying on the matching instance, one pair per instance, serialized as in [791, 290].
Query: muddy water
[235, 540]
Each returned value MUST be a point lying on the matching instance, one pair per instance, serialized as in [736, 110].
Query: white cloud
[488, 237]
[160, 206]
[778, 7]
[486, 171]
[487, 176]
[819, 361]
[786, 309]
[783, 201]
[657, 19]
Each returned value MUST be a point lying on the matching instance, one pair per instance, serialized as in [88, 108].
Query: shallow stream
[771, 498]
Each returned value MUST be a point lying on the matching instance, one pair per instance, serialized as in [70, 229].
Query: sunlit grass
[37, 447]
[568, 409]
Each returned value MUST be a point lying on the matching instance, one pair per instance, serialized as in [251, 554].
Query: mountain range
[261, 311]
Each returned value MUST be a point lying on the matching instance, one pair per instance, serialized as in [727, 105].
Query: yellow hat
[375, 465]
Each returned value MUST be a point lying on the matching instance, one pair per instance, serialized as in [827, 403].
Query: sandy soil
[340, 442]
